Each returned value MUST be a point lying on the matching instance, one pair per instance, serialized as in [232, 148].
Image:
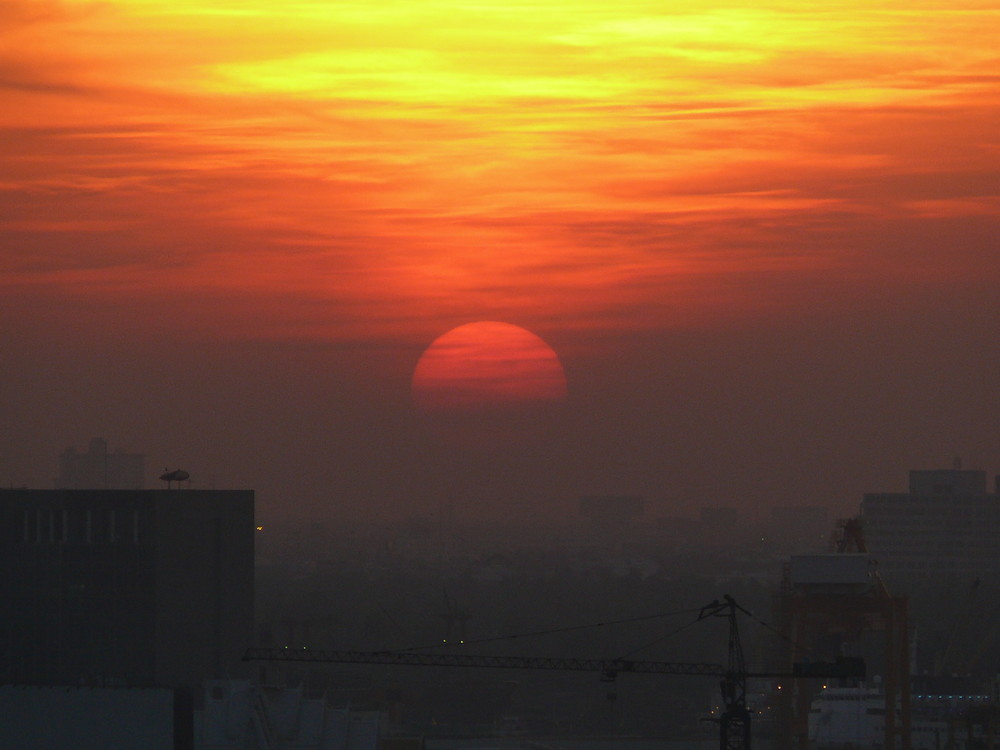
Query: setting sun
[731, 220]
[487, 365]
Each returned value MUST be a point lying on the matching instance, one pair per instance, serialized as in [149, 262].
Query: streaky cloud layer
[359, 171]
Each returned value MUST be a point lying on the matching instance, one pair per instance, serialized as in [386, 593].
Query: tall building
[943, 531]
[99, 468]
[125, 587]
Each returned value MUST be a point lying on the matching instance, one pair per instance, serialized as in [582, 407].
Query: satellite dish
[177, 475]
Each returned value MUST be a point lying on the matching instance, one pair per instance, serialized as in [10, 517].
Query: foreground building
[95, 718]
[140, 588]
[224, 715]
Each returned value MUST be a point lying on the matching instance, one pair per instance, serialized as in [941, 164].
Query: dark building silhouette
[125, 587]
[940, 534]
[100, 468]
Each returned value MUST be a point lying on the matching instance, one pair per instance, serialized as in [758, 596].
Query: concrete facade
[117, 587]
[57, 718]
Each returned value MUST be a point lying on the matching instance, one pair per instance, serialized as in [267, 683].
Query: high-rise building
[125, 587]
[99, 468]
[942, 532]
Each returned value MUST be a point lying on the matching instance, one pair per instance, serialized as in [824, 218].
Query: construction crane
[734, 722]
[455, 620]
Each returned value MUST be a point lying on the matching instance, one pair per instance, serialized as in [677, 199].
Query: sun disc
[487, 366]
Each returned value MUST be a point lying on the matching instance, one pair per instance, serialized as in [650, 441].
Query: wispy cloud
[433, 159]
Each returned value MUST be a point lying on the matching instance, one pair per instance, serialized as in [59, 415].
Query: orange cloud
[339, 170]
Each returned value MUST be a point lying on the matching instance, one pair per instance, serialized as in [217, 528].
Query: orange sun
[487, 367]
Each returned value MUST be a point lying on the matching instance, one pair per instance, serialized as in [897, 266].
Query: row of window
[85, 526]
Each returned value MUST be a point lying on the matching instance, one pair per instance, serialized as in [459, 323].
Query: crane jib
[606, 666]
[843, 667]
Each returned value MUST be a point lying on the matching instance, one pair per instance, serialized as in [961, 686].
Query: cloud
[360, 172]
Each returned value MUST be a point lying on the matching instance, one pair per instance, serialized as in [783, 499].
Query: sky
[762, 238]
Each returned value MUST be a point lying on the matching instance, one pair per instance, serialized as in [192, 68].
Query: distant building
[125, 587]
[943, 531]
[800, 528]
[678, 528]
[98, 469]
[612, 510]
[723, 520]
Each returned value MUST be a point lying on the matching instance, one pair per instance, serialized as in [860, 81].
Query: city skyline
[761, 241]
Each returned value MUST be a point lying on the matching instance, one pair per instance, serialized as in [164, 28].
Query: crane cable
[660, 639]
[551, 631]
[672, 633]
